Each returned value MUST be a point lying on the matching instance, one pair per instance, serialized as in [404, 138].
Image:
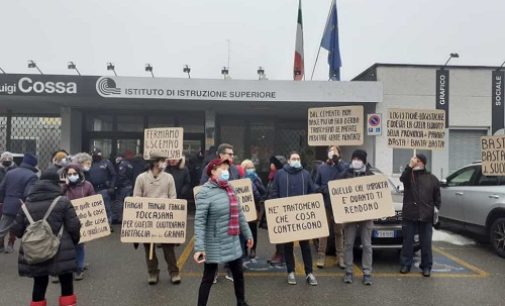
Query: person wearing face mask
[76, 187]
[156, 183]
[124, 185]
[259, 192]
[292, 180]
[219, 221]
[84, 160]
[224, 152]
[178, 169]
[103, 177]
[6, 164]
[421, 197]
[59, 159]
[358, 167]
[334, 168]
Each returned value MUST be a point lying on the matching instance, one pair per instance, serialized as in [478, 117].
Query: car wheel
[497, 236]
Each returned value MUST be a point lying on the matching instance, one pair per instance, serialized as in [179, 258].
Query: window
[401, 158]
[100, 123]
[462, 177]
[130, 123]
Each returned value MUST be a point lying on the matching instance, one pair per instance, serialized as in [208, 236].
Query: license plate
[384, 234]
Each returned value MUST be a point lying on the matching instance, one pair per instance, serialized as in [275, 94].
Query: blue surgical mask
[295, 164]
[250, 172]
[224, 176]
[73, 178]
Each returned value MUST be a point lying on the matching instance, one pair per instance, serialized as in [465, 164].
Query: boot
[41, 303]
[153, 278]
[321, 260]
[69, 300]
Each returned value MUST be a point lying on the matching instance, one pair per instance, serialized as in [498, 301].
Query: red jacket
[80, 190]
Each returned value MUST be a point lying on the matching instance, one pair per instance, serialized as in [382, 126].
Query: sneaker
[215, 279]
[348, 278]
[367, 280]
[79, 276]
[311, 279]
[426, 272]
[276, 260]
[153, 278]
[404, 269]
[176, 278]
[55, 279]
[229, 276]
[291, 278]
[321, 259]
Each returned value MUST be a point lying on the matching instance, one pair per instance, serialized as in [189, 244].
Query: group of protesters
[222, 234]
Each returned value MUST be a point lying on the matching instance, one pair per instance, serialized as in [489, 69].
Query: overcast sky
[170, 33]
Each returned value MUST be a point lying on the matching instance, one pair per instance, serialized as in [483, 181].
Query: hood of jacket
[29, 167]
[292, 170]
[44, 190]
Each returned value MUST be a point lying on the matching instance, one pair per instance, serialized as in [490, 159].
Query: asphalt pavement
[464, 274]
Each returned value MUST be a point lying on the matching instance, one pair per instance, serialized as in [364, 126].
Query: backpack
[39, 242]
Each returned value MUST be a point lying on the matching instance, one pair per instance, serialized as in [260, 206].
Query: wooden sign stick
[151, 251]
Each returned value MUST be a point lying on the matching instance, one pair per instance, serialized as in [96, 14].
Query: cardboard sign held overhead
[244, 192]
[493, 155]
[167, 141]
[296, 218]
[342, 126]
[150, 220]
[93, 217]
[416, 129]
[361, 198]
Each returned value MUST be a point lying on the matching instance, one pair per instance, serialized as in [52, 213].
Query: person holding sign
[334, 168]
[420, 199]
[290, 181]
[358, 167]
[156, 183]
[219, 221]
[76, 187]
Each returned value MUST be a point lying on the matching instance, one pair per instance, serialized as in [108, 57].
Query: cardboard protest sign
[416, 129]
[296, 218]
[93, 217]
[244, 192]
[341, 126]
[493, 155]
[150, 220]
[361, 198]
[167, 141]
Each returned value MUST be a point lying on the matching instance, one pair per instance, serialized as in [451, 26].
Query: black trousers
[40, 286]
[306, 255]
[254, 230]
[209, 272]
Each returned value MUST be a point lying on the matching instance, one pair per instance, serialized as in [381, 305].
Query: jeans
[107, 202]
[290, 257]
[350, 233]
[117, 209]
[169, 254]
[80, 253]
[40, 286]
[6, 223]
[209, 272]
[425, 230]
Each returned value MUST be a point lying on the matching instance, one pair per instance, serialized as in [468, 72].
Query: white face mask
[162, 165]
[86, 169]
[331, 154]
[357, 164]
[73, 178]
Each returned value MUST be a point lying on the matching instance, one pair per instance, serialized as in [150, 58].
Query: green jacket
[211, 226]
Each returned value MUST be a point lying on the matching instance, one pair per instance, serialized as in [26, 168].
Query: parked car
[475, 203]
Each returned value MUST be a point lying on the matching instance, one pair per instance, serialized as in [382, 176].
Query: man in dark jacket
[13, 188]
[64, 263]
[421, 196]
[178, 169]
[103, 177]
[359, 167]
[124, 186]
[290, 181]
[225, 152]
[332, 169]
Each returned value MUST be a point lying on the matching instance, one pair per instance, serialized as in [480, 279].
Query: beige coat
[147, 186]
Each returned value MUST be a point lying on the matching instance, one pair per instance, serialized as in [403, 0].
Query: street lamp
[187, 70]
[32, 64]
[71, 66]
[451, 56]
[225, 72]
[149, 68]
[111, 67]
[261, 73]
[501, 67]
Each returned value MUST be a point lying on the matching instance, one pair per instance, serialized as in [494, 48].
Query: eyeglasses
[228, 153]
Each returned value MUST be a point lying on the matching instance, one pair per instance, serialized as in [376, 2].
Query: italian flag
[299, 67]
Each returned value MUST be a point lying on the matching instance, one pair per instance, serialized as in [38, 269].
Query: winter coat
[350, 173]
[124, 174]
[4, 170]
[259, 190]
[290, 182]
[328, 172]
[80, 190]
[16, 186]
[102, 175]
[421, 194]
[148, 186]
[211, 225]
[182, 179]
[234, 174]
[38, 201]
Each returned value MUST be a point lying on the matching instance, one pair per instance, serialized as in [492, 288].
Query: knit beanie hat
[30, 159]
[422, 158]
[359, 154]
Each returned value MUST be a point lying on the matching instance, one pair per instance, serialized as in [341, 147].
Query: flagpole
[319, 50]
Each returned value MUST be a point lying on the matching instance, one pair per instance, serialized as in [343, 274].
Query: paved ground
[466, 273]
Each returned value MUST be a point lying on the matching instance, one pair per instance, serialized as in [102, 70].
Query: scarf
[271, 175]
[234, 224]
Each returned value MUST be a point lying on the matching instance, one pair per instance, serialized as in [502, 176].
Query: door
[456, 192]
